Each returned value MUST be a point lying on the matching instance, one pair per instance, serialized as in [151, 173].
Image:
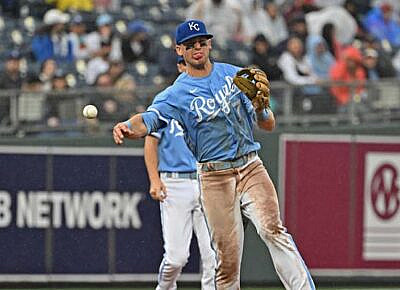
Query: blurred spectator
[299, 7]
[275, 24]
[319, 56]
[59, 81]
[73, 5]
[295, 67]
[385, 59]
[31, 101]
[380, 23]
[361, 6]
[104, 100]
[268, 22]
[99, 64]
[357, 9]
[396, 63]
[47, 72]
[123, 82]
[298, 27]
[329, 35]
[368, 41]
[370, 61]
[137, 43]
[253, 19]
[10, 78]
[103, 37]
[103, 46]
[107, 5]
[104, 80]
[348, 69]
[374, 67]
[265, 58]
[61, 107]
[77, 36]
[394, 3]
[223, 18]
[32, 83]
[10, 8]
[51, 41]
[326, 3]
[118, 73]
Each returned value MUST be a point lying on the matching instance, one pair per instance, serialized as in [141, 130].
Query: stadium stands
[293, 102]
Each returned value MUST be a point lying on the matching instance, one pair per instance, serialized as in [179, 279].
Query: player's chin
[200, 64]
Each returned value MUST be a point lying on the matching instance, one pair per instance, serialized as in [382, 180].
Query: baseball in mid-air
[89, 112]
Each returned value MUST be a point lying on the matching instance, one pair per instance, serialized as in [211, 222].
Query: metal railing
[24, 112]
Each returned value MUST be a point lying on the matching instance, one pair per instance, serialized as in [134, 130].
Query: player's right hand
[120, 131]
[158, 191]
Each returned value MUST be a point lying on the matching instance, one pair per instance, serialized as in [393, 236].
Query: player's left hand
[158, 191]
[254, 83]
[261, 101]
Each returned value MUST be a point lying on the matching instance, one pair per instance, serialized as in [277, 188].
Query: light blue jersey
[217, 118]
[173, 154]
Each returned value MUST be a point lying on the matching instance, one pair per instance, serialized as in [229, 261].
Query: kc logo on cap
[191, 29]
[194, 25]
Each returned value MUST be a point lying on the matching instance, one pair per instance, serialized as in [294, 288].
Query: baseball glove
[254, 84]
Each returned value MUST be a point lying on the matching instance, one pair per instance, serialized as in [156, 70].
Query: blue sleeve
[160, 112]
[152, 121]
[42, 48]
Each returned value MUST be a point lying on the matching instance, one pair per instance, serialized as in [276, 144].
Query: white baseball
[90, 112]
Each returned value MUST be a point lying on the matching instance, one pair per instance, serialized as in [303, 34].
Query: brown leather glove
[254, 84]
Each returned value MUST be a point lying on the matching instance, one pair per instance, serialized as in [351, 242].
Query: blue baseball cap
[77, 19]
[14, 54]
[190, 29]
[179, 59]
[137, 26]
[104, 19]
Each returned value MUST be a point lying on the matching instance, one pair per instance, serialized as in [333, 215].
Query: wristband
[128, 124]
[263, 115]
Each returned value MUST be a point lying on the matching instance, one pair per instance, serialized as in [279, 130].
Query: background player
[218, 120]
[167, 156]
[181, 64]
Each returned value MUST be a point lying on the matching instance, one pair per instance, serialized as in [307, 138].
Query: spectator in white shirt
[294, 65]
[104, 34]
[77, 36]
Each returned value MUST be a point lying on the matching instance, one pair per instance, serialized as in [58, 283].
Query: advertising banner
[341, 201]
[67, 210]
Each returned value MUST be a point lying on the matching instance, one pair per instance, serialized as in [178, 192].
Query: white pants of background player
[181, 214]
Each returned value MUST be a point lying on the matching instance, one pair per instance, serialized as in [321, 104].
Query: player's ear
[179, 50]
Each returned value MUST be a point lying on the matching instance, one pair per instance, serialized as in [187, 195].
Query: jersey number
[176, 128]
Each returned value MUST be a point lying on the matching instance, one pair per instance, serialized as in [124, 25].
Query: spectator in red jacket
[349, 68]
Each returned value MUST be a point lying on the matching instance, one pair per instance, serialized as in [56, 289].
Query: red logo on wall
[384, 191]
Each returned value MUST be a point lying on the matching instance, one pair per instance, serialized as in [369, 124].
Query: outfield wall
[74, 211]
[64, 215]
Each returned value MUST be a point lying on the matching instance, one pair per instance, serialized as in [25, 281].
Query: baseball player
[173, 181]
[218, 119]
